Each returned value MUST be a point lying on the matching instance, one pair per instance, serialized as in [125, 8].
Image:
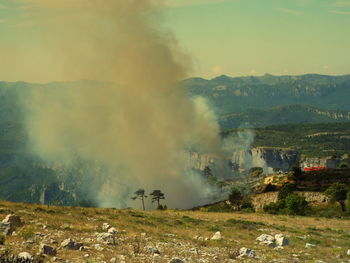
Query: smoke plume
[138, 126]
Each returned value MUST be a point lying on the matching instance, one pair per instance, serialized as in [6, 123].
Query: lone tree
[236, 198]
[337, 192]
[140, 194]
[157, 195]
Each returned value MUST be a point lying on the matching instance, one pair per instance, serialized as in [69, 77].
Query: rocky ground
[67, 234]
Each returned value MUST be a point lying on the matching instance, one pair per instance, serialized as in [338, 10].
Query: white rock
[106, 226]
[348, 252]
[25, 255]
[265, 239]
[308, 245]
[246, 252]
[112, 230]
[281, 240]
[216, 236]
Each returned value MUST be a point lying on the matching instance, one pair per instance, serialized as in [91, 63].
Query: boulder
[265, 239]
[281, 240]
[106, 226]
[308, 245]
[6, 228]
[13, 220]
[70, 244]
[176, 260]
[106, 238]
[246, 252]
[216, 236]
[112, 230]
[47, 250]
[153, 250]
[25, 255]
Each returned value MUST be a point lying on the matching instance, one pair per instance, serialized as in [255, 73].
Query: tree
[236, 198]
[286, 190]
[256, 171]
[338, 193]
[157, 195]
[295, 204]
[140, 194]
[343, 165]
[296, 170]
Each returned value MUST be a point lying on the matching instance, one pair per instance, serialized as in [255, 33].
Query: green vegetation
[312, 140]
[338, 193]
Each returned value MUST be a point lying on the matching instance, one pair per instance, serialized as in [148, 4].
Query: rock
[265, 239]
[47, 250]
[113, 260]
[70, 244]
[106, 238]
[281, 240]
[308, 245]
[13, 220]
[153, 250]
[112, 230]
[98, 247]
[25, 255]
[348, 252]
[6, 228]
[216, 236]
[106, 226]
[246, 252]
[176, 260]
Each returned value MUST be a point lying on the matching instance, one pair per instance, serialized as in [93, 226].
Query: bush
[236, 198]
[275, 208]
[286, 190]
[295, 204]
[28, 232]
[338, 193]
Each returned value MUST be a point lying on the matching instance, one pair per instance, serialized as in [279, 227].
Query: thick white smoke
[138, 129]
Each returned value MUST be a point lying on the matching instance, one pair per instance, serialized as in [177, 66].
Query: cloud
[290, 11]
[340, 12]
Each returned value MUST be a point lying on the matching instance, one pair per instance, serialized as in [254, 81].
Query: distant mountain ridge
[285, 114]
[238, 94]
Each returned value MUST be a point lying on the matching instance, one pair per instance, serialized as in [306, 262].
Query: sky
[231, 37]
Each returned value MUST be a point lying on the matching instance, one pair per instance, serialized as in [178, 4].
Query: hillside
[229, 94]
[285, 114]
[312, 140]
[160, 236]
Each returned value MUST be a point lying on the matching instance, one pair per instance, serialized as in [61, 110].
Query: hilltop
[159, 236]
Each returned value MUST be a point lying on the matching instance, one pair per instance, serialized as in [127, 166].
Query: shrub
[338, 193]
[295, 204]
[28, 232]
[236, 198]
[275, 208]
[286, 190]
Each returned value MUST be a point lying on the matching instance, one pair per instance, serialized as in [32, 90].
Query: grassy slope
[238, 230]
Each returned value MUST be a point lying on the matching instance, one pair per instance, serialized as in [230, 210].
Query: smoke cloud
[133, 131]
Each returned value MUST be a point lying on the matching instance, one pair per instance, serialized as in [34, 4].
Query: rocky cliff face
[276, 157]
[243, 160]
[314, 198]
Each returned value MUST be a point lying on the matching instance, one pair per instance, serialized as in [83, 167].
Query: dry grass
[173, 233]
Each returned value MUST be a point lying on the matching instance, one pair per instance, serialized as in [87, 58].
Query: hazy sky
[233, 37]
